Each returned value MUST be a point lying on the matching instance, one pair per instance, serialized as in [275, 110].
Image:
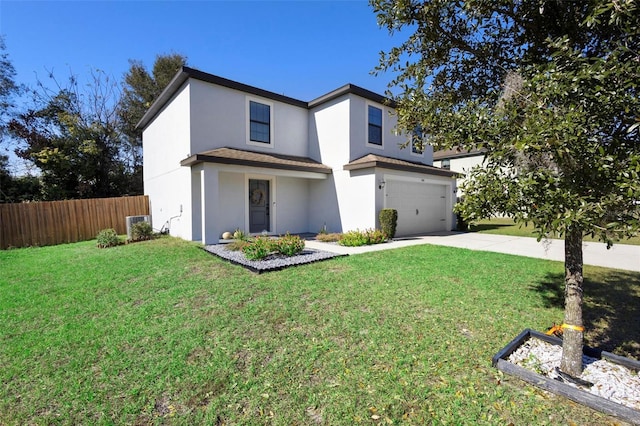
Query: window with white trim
[374, 123]
[417, 141]
[259, 122]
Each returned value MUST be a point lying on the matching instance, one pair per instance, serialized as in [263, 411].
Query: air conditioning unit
[131, 220]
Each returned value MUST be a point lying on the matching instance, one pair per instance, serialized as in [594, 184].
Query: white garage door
[421, 207]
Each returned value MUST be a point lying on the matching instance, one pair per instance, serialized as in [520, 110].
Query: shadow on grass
[611, 308]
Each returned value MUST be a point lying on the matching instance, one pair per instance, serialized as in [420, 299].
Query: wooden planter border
[578, 395]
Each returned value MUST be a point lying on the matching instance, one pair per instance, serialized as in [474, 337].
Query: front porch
[254, 192]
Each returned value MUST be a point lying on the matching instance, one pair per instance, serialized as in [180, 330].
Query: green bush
[258, 248]
[141, 231]
[289, 245]
[262, 246]
[375, 236]
[362, 238]
[353, 239]
[239, 234]
[461, 224]
[108, 238]
[388, 222]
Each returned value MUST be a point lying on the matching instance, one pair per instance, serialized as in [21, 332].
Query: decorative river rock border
[270, 263]
[519, 349]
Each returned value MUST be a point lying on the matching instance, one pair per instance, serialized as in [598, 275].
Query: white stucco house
[459, 160]
[221, 155]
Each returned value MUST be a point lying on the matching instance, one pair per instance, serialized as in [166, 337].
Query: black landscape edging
[578, 395]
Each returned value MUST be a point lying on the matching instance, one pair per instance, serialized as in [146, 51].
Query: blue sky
[302, 49]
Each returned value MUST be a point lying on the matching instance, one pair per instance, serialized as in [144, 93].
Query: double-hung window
[374, 126]
[259, 122]
[417, 141]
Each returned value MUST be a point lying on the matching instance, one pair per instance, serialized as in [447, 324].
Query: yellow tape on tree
[573, 327]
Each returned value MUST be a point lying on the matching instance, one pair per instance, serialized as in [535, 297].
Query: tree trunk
[572, 334]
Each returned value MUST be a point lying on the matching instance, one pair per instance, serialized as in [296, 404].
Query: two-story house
[221, 155]
[459, 160]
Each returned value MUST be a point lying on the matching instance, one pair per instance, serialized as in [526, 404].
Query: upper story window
[259, 122]
[417, 141]
[416, 147]
[446, 164]
[374, 126]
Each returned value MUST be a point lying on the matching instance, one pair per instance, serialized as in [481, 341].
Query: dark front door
[259, 206]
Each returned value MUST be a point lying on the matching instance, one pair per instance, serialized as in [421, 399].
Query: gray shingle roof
[256, 159]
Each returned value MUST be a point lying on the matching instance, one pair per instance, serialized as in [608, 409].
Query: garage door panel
[421, 207]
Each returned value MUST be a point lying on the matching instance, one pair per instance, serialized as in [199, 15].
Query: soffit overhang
[240, 157]
[373, 161]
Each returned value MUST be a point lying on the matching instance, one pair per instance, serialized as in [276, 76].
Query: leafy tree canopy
[550, 90]
[12, 189]
[141, 88]
[71, 135]
[15, 189]
[83, 138]
[8, 86]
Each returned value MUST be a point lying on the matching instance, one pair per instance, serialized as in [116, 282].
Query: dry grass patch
[329, 238]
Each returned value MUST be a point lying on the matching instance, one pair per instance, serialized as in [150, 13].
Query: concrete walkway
[620, 256]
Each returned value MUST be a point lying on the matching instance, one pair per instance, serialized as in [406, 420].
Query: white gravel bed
[611, 381]
[270, 263]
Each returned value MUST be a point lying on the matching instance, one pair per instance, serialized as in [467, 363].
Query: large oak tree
[550, 90]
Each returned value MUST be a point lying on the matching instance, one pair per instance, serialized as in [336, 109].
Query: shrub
[141, 231]
[360, 238]
[108, 238]
[461, 224]
[262, 246]
[353, 239]
[329, 238]
[375, 236]
[289, 245]
[239, 234]
[258, 248]
[388, 222]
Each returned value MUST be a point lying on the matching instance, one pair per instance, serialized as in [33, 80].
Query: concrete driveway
[620, 256]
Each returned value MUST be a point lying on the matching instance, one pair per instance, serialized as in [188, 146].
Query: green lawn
[506, 226]
[161, 332]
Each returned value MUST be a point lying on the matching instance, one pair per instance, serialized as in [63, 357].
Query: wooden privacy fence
[55, 222]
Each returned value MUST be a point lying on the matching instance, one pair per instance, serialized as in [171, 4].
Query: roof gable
[186, 73]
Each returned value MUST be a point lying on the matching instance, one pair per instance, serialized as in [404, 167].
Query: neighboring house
[221, 155]
[458, 160]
